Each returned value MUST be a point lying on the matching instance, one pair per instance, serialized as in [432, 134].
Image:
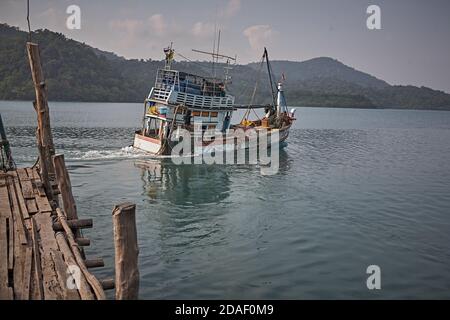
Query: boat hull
[227, 144]
[146, 144]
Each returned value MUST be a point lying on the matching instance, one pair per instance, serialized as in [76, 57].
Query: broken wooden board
[51, 288]
[31, 206]
[25, 183]
[21, 200]
[43, 204]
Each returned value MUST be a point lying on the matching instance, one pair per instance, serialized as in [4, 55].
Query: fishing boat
[181, 103]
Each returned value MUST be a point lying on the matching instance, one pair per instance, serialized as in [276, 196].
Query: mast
[169, 56]
[269, 70]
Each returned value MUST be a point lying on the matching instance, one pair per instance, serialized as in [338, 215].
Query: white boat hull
[228, 144]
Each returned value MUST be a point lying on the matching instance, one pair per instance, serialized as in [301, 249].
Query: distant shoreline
[319, 107]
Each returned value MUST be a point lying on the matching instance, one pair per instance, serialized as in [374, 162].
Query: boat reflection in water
[184, 185]
[198, 184]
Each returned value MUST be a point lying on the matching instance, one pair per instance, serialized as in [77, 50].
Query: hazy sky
[413, 46]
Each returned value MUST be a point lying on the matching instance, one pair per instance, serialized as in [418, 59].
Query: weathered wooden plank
[35, 174]
[61, 270]
[27, 273]
[84, 288]
[25, 183]
[37, 290]
[39, 190]
[21, 200]
[19, 262]
[31, 206]
[30, 173]
[5, 290]
[50, 283]
[18, 219]
[10, 242]
[5, 207]
[43, 204]
[5, 212]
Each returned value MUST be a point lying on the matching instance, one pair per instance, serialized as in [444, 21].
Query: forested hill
[77, 72]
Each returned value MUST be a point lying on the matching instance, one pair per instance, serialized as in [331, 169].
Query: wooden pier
[42, 254]
[37, 255]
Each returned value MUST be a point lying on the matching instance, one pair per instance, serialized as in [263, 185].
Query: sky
[412, 46]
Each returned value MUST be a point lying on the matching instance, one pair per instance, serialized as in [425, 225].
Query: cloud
[130, 27]
[154, 25]
[232, 8]
[158, 24]
[202, 29]
[259, 35]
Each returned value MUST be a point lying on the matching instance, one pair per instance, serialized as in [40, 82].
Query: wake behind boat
[181, 103]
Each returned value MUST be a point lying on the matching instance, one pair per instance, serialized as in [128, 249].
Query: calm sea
[355, 188]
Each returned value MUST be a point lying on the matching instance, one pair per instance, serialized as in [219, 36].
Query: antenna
[215, 55]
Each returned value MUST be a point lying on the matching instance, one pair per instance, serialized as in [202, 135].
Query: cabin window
[214, 114]
[205, 114]
[211, 127]
[196, 113]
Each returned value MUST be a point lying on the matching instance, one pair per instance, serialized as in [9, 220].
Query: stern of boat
[146, 144]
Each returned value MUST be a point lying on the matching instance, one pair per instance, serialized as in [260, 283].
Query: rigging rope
[194, 62]
[247, 112]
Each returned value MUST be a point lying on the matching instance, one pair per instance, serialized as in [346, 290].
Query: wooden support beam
[65, 186]
[94, 283]
[61, 270]
[108, 284]
[44, 134]
[83, 242]
[94, 263]
[126, 251]
[74, 224]
[84, 289]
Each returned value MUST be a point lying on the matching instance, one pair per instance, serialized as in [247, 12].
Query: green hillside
[77, 72]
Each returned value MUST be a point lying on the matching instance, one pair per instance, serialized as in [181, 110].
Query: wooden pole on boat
[44, 134]
[126, 251]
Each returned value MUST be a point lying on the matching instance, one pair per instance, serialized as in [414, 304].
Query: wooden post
[44, 134]
[62, 176]
[126, 251]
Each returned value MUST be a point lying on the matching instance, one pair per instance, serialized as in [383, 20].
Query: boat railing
[200, 101]
[160, 94]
